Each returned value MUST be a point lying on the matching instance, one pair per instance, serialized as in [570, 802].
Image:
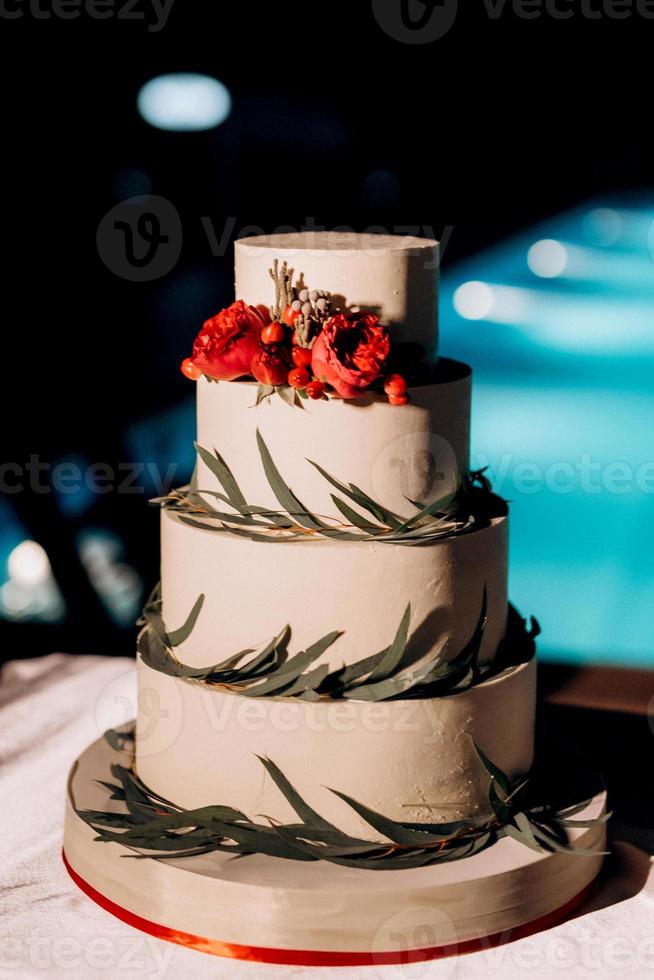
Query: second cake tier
[416, 452]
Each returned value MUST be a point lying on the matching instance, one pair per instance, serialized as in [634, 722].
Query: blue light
[184, 102]
[563, 414]
[473, 300]
[547, 258]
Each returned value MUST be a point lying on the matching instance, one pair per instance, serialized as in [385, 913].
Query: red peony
[225, 346]
[350, 352]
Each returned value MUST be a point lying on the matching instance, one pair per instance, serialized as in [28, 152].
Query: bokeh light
[184, 102]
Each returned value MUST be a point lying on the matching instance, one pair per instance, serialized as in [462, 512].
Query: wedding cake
[330, 674]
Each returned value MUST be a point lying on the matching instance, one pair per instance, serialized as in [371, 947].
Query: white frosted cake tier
[253, 589]
[419, 450]
[198, 745]
[394, 276]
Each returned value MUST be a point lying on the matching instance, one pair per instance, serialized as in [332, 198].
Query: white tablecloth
[52, 708]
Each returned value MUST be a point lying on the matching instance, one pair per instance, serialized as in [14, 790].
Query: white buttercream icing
[395, 276]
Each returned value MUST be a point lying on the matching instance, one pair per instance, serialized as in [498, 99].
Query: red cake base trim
[296, 957]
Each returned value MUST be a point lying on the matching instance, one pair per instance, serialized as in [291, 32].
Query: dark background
[498, 124]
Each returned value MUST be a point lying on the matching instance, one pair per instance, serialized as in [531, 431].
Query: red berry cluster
[272, 365]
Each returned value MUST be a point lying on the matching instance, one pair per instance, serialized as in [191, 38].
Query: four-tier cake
[332, 683]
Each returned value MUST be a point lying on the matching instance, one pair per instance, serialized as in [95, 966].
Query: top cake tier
[394, 276]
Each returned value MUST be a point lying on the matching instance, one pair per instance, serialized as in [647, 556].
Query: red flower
[350, 352]
[225, 346]
[271, 364]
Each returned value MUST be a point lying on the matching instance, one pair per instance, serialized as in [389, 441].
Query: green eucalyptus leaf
[337, 534]
[362, 499]
[572, 811]
[263, 392]
[274, 654]
[288, 395]
[307, 682]
[176, 637]
[431, 510]
[383, 515]
[224, 529]
[306, 813]
[521, 821]
[389, 664]
[352, 517]
[119, 740]
[345, 676]
[552, 843]
[99, 818]
[284, 494]
[527, 839]
[591, 822]
[502, 810]
[399, 685]
[217, 465]
[494, 771]
[330, 837]
[396, 832]
[290, 671]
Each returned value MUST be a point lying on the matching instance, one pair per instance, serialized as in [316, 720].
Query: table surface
[53, 707]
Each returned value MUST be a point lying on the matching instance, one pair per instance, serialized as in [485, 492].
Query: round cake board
[271, 910]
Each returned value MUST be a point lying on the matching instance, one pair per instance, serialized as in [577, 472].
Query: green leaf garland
[385, 676]
[155, 828]
[473, 505]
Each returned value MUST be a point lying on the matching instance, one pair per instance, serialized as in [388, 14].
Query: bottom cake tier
[267, 909]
